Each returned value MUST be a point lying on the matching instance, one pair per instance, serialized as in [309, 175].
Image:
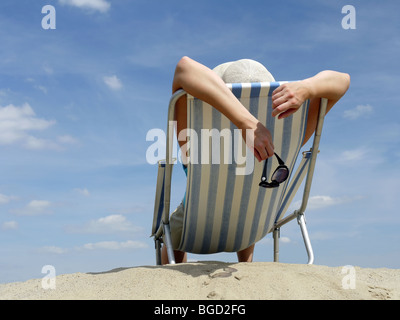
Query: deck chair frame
[161, 228]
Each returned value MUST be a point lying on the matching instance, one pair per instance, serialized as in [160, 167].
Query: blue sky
[77, 102]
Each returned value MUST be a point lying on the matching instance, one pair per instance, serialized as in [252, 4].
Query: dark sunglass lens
[280, 175]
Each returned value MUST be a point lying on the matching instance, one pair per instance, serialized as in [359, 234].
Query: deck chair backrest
[224, 210]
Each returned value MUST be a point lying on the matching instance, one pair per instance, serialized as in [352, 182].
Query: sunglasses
[280, 174]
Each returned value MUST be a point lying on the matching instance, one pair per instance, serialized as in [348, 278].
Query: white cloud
[4, 92]
[84, 192]
[101, 245]
[110, 224]
[38, 204]
[16, 122]
[67, 139]
[48, 70]
[359, 111]
[354, 155]
[99, 5]
[53, 249]
[285, 239]
[270, 240]
[41, 88]
[113, 82]
[9, 225]
[114, 245]
[363, 156]
[35, 207]
[319, 202]
[5, 199]
[34, 143]
[21, 118]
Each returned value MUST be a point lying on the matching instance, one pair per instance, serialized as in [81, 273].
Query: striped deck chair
[225, 211]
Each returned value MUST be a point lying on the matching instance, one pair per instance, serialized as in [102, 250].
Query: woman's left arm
[287, 98]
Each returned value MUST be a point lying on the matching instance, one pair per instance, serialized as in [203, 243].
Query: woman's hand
[257, 138]
[287, 98]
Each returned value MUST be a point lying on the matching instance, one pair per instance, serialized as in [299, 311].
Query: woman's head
[243, 71]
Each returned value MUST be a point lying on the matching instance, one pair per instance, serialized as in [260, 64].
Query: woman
[209, 86]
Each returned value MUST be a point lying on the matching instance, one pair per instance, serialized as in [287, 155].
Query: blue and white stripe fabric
[226, 211]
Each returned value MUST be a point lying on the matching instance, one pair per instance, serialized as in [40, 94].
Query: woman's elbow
[346, 82]
[183, 64]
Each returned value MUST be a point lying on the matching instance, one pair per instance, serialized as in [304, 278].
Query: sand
[216, 281]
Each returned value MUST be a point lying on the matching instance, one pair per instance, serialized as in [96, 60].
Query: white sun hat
[243, 71]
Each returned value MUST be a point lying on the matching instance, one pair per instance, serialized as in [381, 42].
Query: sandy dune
[215, 281]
